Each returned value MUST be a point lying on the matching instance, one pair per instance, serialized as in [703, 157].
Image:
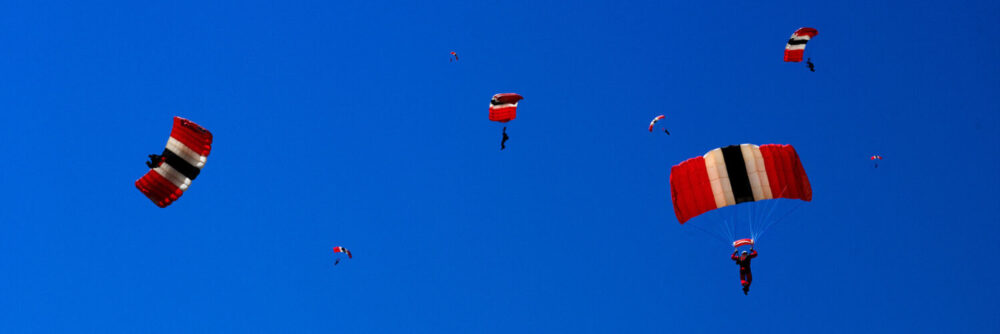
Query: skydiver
[746, 277]
[504, 140]
[336, 262]
[810, 63]
[154, 161]
[667, 132]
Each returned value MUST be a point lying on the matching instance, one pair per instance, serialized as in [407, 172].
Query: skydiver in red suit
[744, 261]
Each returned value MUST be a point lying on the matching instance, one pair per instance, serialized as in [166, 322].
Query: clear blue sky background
[343, 123]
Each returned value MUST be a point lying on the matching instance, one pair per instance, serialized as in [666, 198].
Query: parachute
[171, 173]
[454, 57]
[655, 119]
[503, 107]
[339, 249]
[876, 157]
[796, 46]
[760, 176]
[735, 174]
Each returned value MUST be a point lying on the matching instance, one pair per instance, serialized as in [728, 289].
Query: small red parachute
[876, 157]
[454, 57]
[742, 242]
[503, 107]
[655, 119]
[796, 46]
[171, 174]
[340, 249]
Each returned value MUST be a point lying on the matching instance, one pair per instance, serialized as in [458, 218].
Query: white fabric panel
[719, 178]
[765, 184]
[173, 176]
[752, 173]
[186, 153]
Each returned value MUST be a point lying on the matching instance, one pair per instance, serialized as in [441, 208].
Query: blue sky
[343, 123]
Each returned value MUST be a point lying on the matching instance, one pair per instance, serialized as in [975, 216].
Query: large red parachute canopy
[503, 107]
[182, 160]
[735, 174]
[797, 44]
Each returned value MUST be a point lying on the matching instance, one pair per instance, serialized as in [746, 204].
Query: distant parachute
[171, 174]
[796, 46]
[657, 119]
[339, 249]
[454, 57]
[875, 158]
[503, 107]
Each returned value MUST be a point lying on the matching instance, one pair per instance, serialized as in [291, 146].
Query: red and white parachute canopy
[339, 249]
[185, 155]
[735, 174]
[503, 107]
[876, 157]
[656, 119]
[797, 44]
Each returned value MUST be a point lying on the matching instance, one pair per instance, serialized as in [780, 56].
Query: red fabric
[192, 135]
[690, 189]
[806, 31]
[794, 55]
[503, 113]
[785, 173]
[158, 189]
[742, 242]
[506, 98]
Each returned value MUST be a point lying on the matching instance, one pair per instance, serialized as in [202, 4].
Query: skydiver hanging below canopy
[504, 140]
[154, 161]
[810, 63]
[746, 277]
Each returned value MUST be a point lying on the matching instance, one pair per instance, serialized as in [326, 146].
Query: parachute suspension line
[714, 234]
[765, 220]
[794, 208]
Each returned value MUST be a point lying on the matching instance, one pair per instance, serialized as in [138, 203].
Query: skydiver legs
[746, 277]
[504, 140]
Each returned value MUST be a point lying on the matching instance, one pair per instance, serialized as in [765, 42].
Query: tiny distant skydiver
[154, 161]
[504, 140]
[810, 63]
[876, 158]
[743, 260]
[454, 57]
[653, 123]
[340, 249]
